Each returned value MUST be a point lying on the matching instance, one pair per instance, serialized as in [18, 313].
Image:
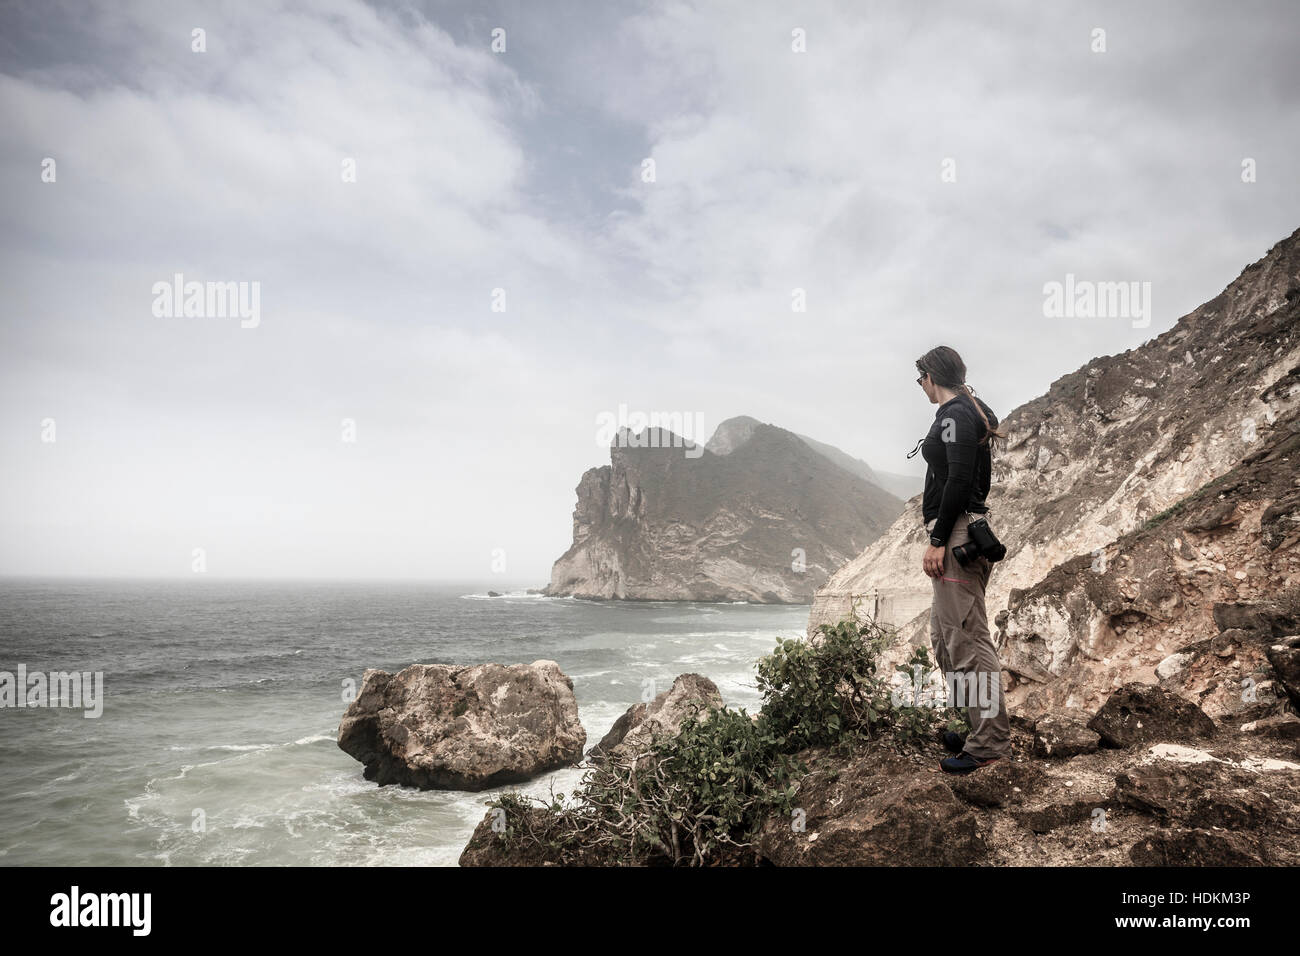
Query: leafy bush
[831, 691]
[683, 799]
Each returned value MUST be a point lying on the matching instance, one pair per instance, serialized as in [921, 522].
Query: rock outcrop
[1109, 448]
[1195, 599]
[1170, 799]
[439, 727]
[757, 515]
[874, 813]
[690, 695]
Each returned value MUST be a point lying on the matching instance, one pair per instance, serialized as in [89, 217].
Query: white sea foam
[757, 634]
[314, 739]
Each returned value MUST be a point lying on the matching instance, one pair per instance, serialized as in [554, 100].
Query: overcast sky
[522, 169]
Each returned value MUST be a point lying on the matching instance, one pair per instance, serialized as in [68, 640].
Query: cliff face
[756, 515]
[1176, 602]
[1107, 448]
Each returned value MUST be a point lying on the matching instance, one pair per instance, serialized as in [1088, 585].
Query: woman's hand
[932, 561]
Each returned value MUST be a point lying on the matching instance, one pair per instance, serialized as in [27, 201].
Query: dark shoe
[964, 763]
[953, 742]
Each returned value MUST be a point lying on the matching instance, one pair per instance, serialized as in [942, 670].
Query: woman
[957, 450]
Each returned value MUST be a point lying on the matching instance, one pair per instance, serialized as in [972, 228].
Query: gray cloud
[521, 170]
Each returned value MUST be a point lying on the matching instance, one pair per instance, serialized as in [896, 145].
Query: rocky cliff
[1108, 448]
[758, 514]
[1177, 600]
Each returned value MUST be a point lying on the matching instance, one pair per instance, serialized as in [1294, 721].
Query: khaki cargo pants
[963, 648]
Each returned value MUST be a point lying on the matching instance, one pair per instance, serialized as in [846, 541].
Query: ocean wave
[515, 596]
[757, 635]
[587, 675]
[247, 748]
[314, 739]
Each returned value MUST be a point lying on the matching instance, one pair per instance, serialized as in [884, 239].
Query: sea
[217, 741]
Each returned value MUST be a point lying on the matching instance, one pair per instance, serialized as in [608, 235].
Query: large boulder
[441, 727]
[1145, 713]
[690, 695]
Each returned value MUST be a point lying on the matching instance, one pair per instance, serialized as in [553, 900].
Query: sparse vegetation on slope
[697, 798]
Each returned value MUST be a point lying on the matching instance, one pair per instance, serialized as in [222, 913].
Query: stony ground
[1149, 779]
[1234, 800]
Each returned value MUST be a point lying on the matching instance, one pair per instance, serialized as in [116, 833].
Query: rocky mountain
[1140, 499]
[904, 486]
[735, 431]
[758, 514]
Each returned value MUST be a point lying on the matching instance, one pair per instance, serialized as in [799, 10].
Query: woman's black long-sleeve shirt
[957, 479]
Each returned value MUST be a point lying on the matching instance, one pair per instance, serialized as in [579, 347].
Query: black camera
[983, 543]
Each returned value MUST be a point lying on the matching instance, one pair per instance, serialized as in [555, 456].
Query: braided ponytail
[988, 428]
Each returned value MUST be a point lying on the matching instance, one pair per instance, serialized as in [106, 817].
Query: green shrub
[832, 691]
